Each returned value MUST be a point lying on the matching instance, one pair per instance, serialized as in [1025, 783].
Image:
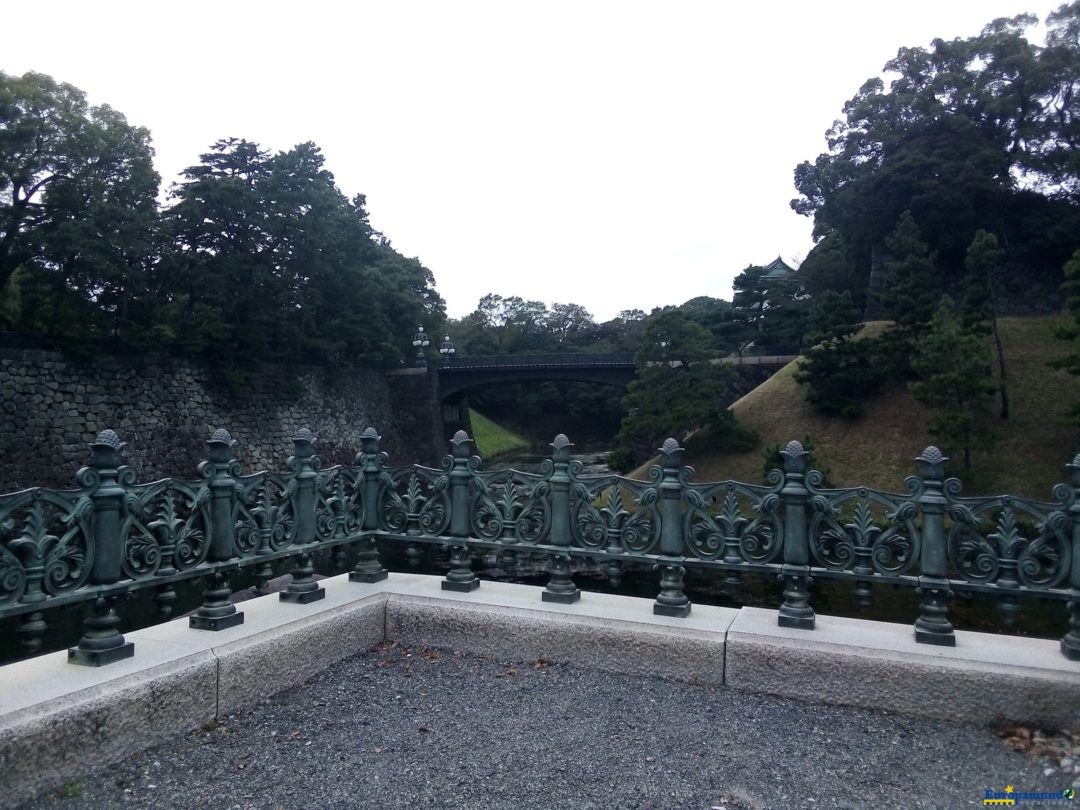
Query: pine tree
[978, 311]
[912, 291]
[955, 380]
[839, 372]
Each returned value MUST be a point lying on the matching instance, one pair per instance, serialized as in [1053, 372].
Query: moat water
[1038, 618]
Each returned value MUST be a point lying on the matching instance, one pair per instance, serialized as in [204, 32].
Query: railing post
[369, 465]
[103, 642]
[461, 576]
[560, 587]
[672, 600]
[304, 589]
[216, 611]
[1070, 643]
[933, 626]
[795, 611]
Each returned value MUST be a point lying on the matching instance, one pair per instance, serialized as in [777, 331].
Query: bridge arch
[463, 375]
[473, 373]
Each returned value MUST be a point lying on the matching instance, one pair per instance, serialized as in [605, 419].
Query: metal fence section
[111, 535]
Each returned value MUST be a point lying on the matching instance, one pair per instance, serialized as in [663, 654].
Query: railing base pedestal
[303, 597]
[678, 611]
[99, 658]
[1070, 652]
[798, 622]
[460, 587]
[368, 576]
[561, 598]
[216, 622]
[930, 637]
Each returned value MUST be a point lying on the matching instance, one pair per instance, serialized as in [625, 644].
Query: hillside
[878, 449]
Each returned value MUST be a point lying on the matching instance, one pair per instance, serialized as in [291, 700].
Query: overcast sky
[617, 155]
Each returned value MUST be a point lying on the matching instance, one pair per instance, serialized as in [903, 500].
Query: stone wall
[165, 409]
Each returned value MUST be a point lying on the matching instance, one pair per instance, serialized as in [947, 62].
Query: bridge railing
[111, 535]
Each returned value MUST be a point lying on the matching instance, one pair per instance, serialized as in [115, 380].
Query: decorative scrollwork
[614, 512]
[727, 533]
[511, 506]
[339, 504]
[166, 527]
[876, 534]
[1009, 541]
[264, 515]
[415, 501]
[46, 543]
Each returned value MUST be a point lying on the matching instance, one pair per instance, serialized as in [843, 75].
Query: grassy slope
[878, 449]
[492, 439]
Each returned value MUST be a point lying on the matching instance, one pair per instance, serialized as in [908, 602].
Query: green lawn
[494, 440]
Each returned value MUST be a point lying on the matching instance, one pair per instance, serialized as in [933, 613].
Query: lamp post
[420, 342]
[447, 349]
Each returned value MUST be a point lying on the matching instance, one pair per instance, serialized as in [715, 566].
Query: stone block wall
[165, 409]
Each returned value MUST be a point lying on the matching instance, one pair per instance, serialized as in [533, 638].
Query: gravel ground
[430, 728]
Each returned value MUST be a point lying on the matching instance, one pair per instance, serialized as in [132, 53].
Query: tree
[978, 311]
[829, 268]
[77, 210]
[509, 326]
[1055, 145]
[912, 290]
[954, 380]
[1071, 361]
[748, 305]
[715, 315]
[948, 139]
[784, 321]
[677, 389]
[840, 373]
[269, 261]
[570, 326]
[769, 312]
[622, 333]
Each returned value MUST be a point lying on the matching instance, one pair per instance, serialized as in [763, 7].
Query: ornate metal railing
[111, 536]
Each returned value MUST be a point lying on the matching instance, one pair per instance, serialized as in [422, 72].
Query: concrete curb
[58, 721]
[985, 679]
[602, 631]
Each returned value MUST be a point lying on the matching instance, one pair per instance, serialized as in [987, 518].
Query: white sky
[617, 155]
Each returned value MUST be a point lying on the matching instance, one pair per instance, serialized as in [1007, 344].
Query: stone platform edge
[59, 721]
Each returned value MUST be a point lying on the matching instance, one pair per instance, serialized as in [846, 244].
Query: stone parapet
[59, 722]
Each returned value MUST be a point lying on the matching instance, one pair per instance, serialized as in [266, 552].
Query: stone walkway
[431, 728]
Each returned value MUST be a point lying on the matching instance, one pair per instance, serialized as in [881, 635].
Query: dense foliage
[839, 371]
[256, 256]
[513, 325]
[962, 178]
[1071, 361]
[678, 389]
[768, 315]
[970, 134]
[953, 367]
[78, 212]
